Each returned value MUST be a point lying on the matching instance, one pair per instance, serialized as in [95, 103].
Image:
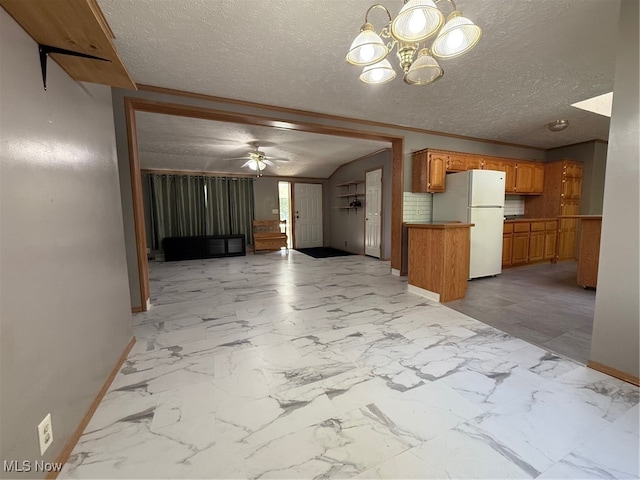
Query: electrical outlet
[45, 433]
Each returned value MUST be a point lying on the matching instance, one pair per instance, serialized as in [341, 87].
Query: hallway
[285, 366]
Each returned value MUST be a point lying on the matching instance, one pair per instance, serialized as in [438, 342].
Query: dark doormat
[323, 252]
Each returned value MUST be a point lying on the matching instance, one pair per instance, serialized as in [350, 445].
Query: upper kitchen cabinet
[506, 166]
[461, 162]
[429, 170]
[529, 178]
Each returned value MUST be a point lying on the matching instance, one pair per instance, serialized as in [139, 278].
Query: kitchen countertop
[532, 219]
[440, 225]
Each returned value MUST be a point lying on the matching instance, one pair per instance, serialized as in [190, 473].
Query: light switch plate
[275, 211]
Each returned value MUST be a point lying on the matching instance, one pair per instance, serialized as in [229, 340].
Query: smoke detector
[558, 125]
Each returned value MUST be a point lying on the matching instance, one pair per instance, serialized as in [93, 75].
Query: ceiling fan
[257, 159]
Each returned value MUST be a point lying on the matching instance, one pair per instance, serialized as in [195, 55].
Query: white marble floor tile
[284, 366]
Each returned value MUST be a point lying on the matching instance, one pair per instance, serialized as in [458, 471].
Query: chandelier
[417, 22]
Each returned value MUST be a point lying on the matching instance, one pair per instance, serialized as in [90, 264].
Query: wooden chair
[267, 235]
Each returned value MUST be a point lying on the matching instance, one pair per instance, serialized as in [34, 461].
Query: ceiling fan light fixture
[457, 37]
[558, 125]
[257, 165]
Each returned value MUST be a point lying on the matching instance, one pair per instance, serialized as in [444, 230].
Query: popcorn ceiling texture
[536, 57]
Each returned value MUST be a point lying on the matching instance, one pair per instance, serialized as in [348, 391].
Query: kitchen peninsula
[439, 259]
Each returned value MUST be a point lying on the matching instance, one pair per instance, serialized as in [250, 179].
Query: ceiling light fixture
[418, 21]
[558, 125]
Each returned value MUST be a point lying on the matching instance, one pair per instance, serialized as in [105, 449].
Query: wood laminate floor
[540, 303]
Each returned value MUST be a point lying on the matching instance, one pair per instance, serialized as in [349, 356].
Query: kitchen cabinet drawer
[537, 226]
[508, 228]
[521, 227]
[550, 225]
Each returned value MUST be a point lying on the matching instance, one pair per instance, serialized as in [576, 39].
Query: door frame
[381, 168]
[135, 104]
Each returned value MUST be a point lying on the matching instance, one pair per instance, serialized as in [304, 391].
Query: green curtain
[217, 212]
[241, 207]
[192, 205]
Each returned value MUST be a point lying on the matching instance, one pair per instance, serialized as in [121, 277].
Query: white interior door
[373, 209]
[307, 198]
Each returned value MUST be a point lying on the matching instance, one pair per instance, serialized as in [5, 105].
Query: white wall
[64, 306]
[617, 314]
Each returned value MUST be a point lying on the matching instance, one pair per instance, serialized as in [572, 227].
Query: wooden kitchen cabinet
[561, 196]
[528, 241]
[506, 166]
[529, 178]
[428, 172]
[507, 244]
[536, 247]
[571, 188]
[460, 162]
[550, 240]
[520, 248]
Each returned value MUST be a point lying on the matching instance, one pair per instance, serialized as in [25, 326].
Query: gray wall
[617, 314]
[593, 155]
[265, 197]
[348, 225]
[65, 314]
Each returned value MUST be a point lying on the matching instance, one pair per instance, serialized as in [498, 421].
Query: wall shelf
[354, 199]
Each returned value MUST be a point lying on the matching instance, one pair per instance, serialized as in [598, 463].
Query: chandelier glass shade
[417, 22]
[381, 72]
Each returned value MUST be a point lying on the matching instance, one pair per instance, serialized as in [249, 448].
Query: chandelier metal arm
[449, 1]
[377, 5]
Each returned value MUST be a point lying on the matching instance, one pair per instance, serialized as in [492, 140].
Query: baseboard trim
[614, 372]
[70, 445]
[137, 309]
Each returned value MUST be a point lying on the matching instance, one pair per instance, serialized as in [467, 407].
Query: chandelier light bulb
[417, 21]
[367, 53]
[455, 40]
[381, 72]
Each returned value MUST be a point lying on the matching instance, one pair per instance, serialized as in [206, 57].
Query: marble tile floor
[285, 366]
[540, 303]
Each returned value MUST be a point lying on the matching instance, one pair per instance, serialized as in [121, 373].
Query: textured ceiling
[177, 143]
[536, 57]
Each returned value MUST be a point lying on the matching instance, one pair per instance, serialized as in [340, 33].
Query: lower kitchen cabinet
[520, 249]
[528, 241]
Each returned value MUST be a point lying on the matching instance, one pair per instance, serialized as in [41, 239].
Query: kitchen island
[439, 259]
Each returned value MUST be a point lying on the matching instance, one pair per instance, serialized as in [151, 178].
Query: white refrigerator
[476, 196]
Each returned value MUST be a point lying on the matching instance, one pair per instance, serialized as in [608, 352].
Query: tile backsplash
[416, 207]
[514, 205]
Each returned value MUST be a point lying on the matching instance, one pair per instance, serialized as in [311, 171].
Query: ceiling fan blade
[247, 163]
[278, 159]
[268, 162]
[235, 158]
